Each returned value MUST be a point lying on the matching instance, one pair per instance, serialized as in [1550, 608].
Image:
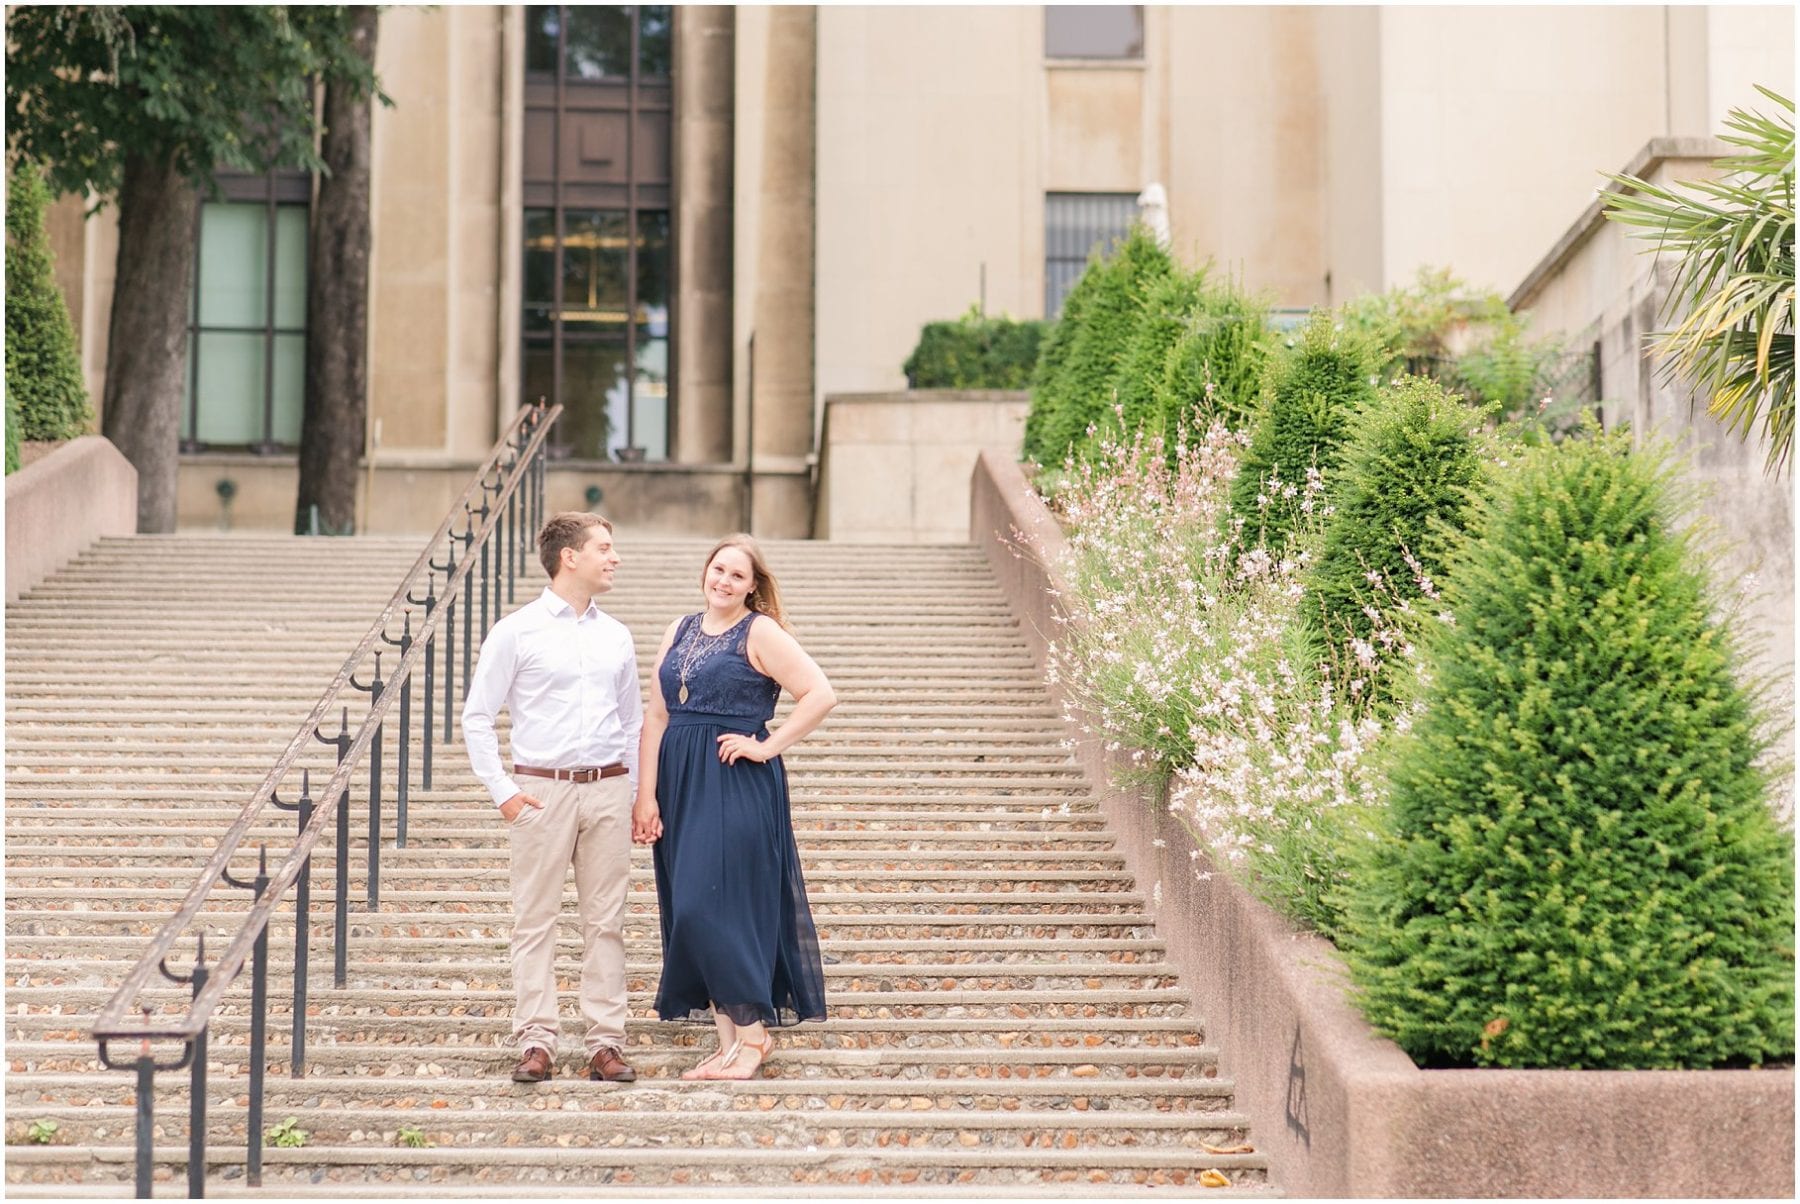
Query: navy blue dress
[736, 929]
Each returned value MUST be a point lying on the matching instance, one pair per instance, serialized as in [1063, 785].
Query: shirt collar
[559, 608]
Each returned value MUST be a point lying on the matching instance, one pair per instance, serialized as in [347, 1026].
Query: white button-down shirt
[571, 684]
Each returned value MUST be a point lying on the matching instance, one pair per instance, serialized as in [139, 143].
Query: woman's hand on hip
[733, 746]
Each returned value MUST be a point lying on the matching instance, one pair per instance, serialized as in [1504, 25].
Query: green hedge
[43, 367]
[1078, 386]
[1403, 489]
[975, 352]
[1309, 398]
[1580, 868]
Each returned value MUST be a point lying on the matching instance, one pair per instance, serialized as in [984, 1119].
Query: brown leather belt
[578, 776]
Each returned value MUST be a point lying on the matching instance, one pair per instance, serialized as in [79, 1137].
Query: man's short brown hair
[566, 530]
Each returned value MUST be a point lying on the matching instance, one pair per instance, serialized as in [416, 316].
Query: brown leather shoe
[607, 1064]
[533, 1067]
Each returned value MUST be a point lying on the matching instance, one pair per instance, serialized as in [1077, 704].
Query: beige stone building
[692, 225]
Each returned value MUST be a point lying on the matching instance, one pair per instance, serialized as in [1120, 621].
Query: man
[568, 673]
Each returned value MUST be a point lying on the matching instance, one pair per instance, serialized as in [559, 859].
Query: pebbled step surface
[1003, 1022]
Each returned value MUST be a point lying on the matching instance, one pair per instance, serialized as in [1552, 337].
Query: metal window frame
[634, 205]
[272, 190]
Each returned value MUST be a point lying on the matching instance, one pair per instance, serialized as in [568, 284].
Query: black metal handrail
[500, 529]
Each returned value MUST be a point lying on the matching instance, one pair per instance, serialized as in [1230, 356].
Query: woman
[737, 934]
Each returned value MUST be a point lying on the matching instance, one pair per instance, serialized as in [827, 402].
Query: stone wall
[894, 467]
[59, 504]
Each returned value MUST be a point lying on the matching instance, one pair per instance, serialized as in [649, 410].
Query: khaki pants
[587, 826]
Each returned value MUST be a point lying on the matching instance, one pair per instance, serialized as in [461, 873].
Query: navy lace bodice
[717, 672]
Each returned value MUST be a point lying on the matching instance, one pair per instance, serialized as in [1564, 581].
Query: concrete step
[970, 1167]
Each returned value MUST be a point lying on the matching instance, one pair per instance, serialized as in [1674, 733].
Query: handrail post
[340, 970]
[146, 1116]
[302, 926]
[403, 757]
[374, 689]
[197, 1089]
[259, 1022]
[468, 540]
[426, 728]
[486, 626]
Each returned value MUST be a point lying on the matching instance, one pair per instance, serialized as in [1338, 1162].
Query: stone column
[705, 40]
[782, 293]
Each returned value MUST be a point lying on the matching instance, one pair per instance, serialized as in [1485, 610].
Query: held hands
[646, 822]
[733, 746]
[513, 807]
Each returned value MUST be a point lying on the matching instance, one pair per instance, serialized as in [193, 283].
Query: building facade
[691, 224]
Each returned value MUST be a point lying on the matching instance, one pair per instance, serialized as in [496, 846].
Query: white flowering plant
[1185, 648]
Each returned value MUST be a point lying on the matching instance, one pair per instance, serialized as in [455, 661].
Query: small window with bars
[1075, 225]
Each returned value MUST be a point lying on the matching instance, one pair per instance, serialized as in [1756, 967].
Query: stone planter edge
[57, 505]
[1339, 1110]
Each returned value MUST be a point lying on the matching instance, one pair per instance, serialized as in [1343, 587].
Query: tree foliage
[43, 362]
[1404, 485]
[1579, 867]
[1734, 278]
[142, 105]
[204, 88]
[1308, 401]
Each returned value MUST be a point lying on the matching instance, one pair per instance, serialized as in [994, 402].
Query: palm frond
[1733, 286]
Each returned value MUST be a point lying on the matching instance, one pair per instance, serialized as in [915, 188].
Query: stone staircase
[1003, 1022]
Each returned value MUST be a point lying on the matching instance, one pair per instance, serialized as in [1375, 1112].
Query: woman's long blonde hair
[765, 595]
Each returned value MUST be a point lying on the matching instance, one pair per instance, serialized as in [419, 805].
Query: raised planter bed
[1339, 1110]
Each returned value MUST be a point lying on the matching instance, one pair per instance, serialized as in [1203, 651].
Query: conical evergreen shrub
[12, 433]
[1403, 489]
[1053, 354]
[1580, 867]
[1308, 399]
[1214, 371]
[1083, 391]
[1169, 308]
[43, 367]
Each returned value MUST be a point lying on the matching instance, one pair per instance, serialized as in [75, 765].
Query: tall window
[1094, 31]
[598, 273]
[1075, 225]
[247, 318]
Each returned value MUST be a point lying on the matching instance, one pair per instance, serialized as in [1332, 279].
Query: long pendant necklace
[698, 648]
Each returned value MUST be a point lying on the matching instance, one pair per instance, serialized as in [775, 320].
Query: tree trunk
[337, 308]
[146, 341]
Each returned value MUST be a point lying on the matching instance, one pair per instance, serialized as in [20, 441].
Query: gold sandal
[698, 1071]
[763, 1050]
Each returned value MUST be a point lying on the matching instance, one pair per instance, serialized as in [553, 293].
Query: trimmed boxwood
[1089, 346]
[1403, 489]
[43, 367]
[975, 352]
[1308, 399]
[1579, 867]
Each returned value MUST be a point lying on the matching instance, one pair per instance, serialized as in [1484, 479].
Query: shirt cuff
[502, 790]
